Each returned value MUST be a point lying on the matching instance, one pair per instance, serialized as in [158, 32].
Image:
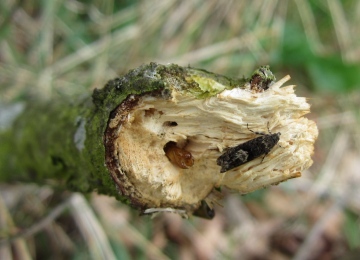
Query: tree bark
[153, 138]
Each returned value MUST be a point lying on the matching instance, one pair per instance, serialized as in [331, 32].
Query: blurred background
[66, 47]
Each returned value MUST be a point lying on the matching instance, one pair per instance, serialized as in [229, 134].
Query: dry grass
[68, 47]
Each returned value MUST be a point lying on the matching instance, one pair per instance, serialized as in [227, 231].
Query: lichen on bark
[152, 138]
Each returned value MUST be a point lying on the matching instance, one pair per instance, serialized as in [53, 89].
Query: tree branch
[153, 138]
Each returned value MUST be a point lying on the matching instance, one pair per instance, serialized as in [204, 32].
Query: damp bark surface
[163, 138]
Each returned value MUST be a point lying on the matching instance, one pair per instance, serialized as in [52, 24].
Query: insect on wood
[178, 156]
[248, 151]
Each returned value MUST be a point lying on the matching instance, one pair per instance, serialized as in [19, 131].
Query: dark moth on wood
[248, 151]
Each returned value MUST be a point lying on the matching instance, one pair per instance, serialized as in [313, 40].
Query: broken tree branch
[153, 138]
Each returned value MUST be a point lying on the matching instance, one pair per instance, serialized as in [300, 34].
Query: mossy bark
[58, 143]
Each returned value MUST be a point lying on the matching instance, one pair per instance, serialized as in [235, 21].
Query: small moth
[248, 151]
[178, 156]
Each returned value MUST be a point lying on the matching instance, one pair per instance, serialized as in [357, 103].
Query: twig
[34, 229]
[90, 228]
[308, 247]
